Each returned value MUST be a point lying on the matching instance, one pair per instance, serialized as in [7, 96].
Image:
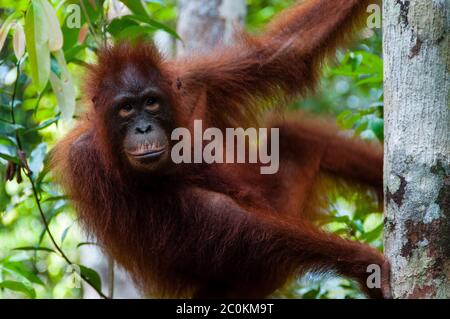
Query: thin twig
[90, 25]
[13, 100]
[29, 175]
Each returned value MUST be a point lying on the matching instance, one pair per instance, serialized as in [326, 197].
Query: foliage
[43, 53]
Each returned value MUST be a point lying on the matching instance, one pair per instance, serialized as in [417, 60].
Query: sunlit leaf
[37, 41]
[63, 87]
[373, 234]
[19, 41]
[37, 157]
[18, 268]
[11, 76]
[4, 30]
[18, 287]
[54, 29]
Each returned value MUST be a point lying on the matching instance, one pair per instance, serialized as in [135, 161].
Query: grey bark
[417, 146]
[204, 23]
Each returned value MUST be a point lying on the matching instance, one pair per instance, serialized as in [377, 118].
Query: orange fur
[224, 230]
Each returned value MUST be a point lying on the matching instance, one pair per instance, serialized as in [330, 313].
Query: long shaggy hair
[223, 230]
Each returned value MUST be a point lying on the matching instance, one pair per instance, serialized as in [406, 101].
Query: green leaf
[136, 6]
[19, 287]
[377, 126]
[57, 208]
[86, 244]
[19, 41]
[71, 53]
[37, 157]
[357, 225]
[134, 32]
[18, 268]
[54, 198]
[70, 36]
[10, 158]
[8, 139]
[37, 41]
[42, 173]
[64, 233]
[362, 126]
[161, 2]
[35, 249]
[311, 294]
[12, 128]
[356, 60]
[92, 276]
[373, 79]
[63, 87]
[44, 124]
[4, 30]
[341, 219]
[4, 198]
[373, 234]
[347, 119]
[146, 19]
[119, 24]
[92, 8]
[55, 34]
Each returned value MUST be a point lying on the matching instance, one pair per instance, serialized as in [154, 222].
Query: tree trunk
[204, 23]
[417, 149]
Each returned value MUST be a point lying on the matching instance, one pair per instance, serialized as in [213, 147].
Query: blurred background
[45, 46]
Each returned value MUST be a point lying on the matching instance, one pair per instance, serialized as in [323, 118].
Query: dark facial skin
[142, 115]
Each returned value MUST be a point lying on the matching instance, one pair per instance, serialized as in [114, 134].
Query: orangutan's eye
[125, 110]
[152, 105]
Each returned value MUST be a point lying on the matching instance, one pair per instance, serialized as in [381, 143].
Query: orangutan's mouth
[147, 151]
